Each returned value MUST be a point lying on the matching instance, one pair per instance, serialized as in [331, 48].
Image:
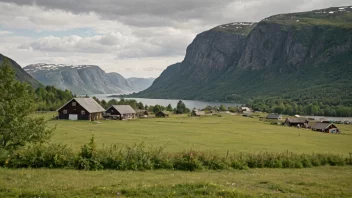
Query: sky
[136, 38]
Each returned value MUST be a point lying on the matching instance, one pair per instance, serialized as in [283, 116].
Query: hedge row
[139, 157]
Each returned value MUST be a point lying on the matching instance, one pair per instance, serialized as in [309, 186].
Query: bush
[87, 157]
[139, 157]
[40, 156]
[187, 161]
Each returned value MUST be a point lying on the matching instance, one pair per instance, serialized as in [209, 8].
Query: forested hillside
[21, 75]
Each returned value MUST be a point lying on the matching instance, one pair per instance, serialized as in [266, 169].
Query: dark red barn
[81, 109]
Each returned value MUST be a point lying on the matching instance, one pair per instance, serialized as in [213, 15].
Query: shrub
[38, 156]
[139, 157]
[212, 161]
[87, 157]
[187, 161]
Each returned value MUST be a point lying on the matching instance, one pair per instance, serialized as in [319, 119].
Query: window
[83, 112]
[64, 111]
[112, 110]
[74, 104]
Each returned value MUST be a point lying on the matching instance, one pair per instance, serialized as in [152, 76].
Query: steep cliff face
[207, 58]
[21, 75]
[285, 55]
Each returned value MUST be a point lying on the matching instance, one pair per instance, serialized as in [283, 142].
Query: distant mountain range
[85, 79]
[21, 75]
[140, 84]
[303, 56]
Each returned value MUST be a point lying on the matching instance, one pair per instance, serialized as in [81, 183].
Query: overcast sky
[133, 37]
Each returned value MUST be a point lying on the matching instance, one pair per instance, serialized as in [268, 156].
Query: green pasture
[231, 133]
[311, 182]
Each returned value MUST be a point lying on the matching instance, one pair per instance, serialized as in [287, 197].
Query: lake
[164, 102]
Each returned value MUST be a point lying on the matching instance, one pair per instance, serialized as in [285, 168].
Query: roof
[199, 113]
[245, 108]
[322, 125]
[164, 112]
[296, 120]
[273, 116]
[124, 109]
[89, 104]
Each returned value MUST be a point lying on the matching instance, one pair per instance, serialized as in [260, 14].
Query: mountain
[21, 75]
[301, 56]
[140, 84]
[85, 79]
[80, 79]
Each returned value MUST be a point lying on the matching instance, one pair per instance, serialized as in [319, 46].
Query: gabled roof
[296, 120]
[273, 116]
[199, 113]
[89, 104]
[124, 109]
[322, 126]
[164, 112]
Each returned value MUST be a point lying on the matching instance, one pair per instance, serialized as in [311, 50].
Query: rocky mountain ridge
[80, 79]
[286, 55]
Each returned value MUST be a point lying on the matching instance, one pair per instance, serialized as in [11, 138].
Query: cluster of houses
[89, 109]
[300, 122]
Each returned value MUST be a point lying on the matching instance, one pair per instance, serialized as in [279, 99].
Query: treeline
[140, 157]
[180, 108]
[290, 107]
[50, 98]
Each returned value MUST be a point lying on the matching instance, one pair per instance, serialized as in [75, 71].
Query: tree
[222, 108]
[181, 108]
[17, 102]
[157, 108]
[169, 108]
[140, 105]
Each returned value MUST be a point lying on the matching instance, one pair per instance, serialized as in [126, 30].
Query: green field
[178, 133]
[211, 133]
[312, 182]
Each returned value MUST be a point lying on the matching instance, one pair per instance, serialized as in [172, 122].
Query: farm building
[197, 113]
[245, 109]
[162, 114]
[300, 122]
[81, 109]
[325, 120]
[274, 116]
[121, 112]
[142, 113]
[325, 127]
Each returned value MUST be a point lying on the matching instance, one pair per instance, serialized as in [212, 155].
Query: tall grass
[139, 157]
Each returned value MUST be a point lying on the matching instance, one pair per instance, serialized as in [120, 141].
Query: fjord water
[164, 102]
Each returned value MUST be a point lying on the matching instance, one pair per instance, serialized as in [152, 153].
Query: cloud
[5, 32]
[95, 44]
[134, 37]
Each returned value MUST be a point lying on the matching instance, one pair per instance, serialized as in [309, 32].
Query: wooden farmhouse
[162, 114]
[297, 122]
[81, 109]
[274, 116]
[121, 112]
[197, 113]
[325, 127]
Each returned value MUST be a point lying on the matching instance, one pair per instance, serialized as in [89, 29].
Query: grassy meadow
[213, 133]
[312, 182]
[210, 133]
